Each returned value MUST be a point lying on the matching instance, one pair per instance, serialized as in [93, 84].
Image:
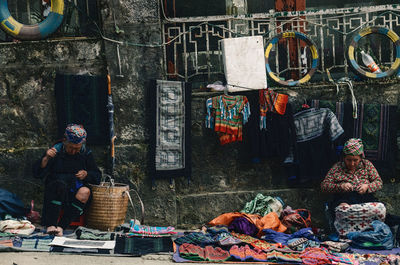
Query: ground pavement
[42, 258]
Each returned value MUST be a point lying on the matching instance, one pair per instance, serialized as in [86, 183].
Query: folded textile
[277, 237]
[142, 245]
[197, 253]
[336, 246]
[23, 227]
[226, 239]
[93, 234]
[196, 238]
[36, 244]
[151, 230]
[244, 253]
[242, 225]
[6, 243]
[263, 245]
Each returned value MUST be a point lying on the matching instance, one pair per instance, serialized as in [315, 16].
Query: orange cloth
[269, 221]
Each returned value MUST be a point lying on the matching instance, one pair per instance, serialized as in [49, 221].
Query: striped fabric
[271, 101]
[226, 115]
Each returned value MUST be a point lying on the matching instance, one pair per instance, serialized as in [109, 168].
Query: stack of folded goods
[143, 239]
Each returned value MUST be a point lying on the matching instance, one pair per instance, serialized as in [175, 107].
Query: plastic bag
[379, 238]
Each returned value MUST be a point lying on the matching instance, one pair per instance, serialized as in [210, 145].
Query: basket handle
[141, 204]
[108, 177]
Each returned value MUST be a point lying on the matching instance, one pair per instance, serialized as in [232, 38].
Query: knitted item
[226, 115]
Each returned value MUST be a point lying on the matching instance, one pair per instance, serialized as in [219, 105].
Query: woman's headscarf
[75, 134]
[354, 147]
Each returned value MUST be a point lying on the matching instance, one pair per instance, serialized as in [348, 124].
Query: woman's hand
[50, 153]
[347, 187]
[363, 188]
[81, 175]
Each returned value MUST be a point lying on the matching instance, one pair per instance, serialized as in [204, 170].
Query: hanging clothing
[274, 140]
[271, 101]
[376, 125]
[316, 131]
[226, 115]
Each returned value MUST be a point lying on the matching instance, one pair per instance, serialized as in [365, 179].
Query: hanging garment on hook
[271, 101]
[226, 115]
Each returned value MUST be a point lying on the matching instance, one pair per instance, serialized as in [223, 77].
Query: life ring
[377, 30]
[32, 32]
[314, 53]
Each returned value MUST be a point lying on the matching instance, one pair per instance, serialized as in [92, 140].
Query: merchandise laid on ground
[262, 232]
[128, 240]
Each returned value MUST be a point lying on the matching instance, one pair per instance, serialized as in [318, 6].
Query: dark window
[319, 4]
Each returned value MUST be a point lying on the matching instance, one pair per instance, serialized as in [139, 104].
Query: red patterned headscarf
[354, 147]
[75, 134]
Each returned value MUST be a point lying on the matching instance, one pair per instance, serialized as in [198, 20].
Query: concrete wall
[220, 181]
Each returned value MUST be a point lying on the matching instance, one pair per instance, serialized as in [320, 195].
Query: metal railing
[79, 19]
[193, 52]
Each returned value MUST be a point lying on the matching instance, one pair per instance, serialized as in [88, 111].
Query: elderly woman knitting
[353, 182]
[69, 168]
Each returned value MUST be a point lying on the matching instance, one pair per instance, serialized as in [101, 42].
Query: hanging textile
[273, 141]
[170, 125]
[376, 125]
[316, 130]
[273, 102]
[226, 114]
[82, 99]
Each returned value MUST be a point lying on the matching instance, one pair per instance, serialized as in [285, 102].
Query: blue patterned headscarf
[75, 134]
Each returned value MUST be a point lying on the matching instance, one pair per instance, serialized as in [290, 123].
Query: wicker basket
[108, 207]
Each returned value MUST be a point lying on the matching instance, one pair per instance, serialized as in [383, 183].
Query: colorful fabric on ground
[336, 246]
[271, 101]
[358, 217]
[196, 253]
[354, 147]
[243, 226]
[75, 134]
[151, 230]
[269, 221]
[226, 239]
[263, 205]
[364, 174]
[6, 243]
[196, 238]
[23, 227]
[244, 253]
[36, 244]
[226, 115]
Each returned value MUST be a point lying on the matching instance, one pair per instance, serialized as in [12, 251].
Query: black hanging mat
[82, 99]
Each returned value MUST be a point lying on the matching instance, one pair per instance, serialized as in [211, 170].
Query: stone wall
[220, 182]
